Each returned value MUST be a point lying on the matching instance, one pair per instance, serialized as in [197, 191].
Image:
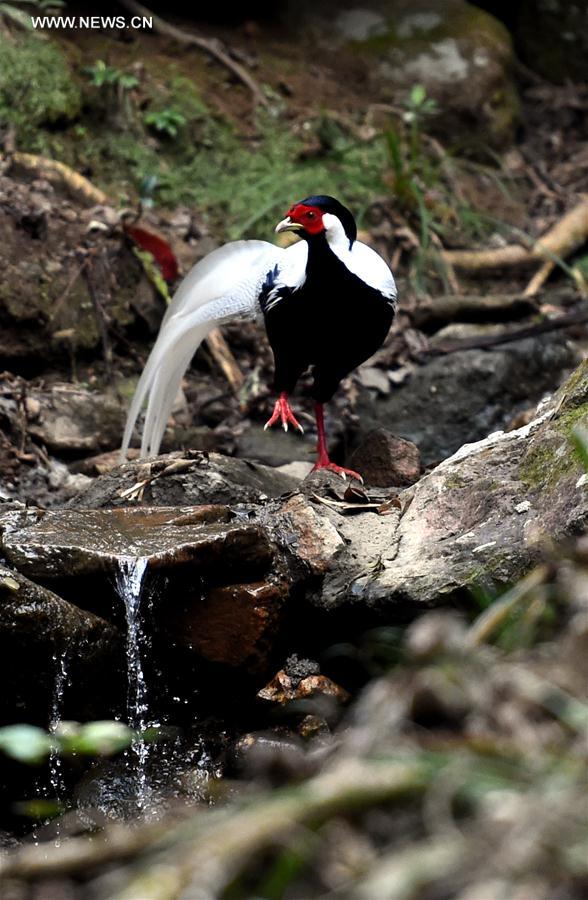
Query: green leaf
[128, 81]
[417, 95]
[25, 743]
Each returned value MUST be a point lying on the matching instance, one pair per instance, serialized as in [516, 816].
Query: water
[55, 791]
[55, 714]
[129, 585]
[130, 580]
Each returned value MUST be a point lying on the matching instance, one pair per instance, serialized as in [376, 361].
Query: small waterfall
[130, 581]
[129, 584]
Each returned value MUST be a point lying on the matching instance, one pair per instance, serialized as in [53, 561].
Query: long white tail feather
[222, 287]
[163, 394]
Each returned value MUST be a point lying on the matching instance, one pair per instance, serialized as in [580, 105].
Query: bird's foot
[339, 470]
[283, 412]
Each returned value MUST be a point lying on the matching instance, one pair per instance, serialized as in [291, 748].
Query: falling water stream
[130, 580]
[55, 715]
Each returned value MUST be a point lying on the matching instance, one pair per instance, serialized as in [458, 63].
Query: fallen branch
[58, 173]
[210, 45]
[470, 308]
[566, 236]
[491, 340]
[475, 261]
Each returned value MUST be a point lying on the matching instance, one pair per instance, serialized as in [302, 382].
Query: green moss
[37, 87]
[454, 482]
[554, 455]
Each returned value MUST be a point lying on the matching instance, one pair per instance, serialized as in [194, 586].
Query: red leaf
[161, 251]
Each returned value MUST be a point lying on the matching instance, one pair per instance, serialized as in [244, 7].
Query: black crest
[330, 205]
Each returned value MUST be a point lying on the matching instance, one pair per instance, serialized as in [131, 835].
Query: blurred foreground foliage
[32, 745]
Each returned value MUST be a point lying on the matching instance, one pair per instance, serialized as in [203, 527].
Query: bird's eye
[310, 215]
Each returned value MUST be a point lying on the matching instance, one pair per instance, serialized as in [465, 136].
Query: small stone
[283, 689]
[376, 379]
[33, 408]
[523, 507]
[10, 583]
[385, 460]
[313, 726]
[298, 469]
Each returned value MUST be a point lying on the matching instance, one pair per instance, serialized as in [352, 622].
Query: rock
[70, 419]
[38, 84]
[48, 313]
[462, 56]
[309, 538]
[228, 574]
[283, 689]
[234, 625]
[297, 469]
[38, 629]
[188, 479]
[87, 543]
[481, 516]
[385, 460]
[463, 396]
[552, 38]
[274, 447]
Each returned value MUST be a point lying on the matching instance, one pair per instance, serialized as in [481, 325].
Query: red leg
[322, 454]
[283, 411]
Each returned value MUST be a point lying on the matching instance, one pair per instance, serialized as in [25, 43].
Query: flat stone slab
[82, 542]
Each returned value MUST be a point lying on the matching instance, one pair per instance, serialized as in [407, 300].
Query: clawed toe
[339, 470]
[283, 412]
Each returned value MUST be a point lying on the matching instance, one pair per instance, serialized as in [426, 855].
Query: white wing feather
[224, 286]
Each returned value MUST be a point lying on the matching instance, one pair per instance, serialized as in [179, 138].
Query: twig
[209, 45]
[539, 279]
[60, 174]
[101, 319]
[68, 288]
[491, 340]
[223, 357]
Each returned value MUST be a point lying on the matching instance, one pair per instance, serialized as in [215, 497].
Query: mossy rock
[459, 53]
[552, 456]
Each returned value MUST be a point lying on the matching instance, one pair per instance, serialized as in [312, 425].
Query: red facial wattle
[309, 217]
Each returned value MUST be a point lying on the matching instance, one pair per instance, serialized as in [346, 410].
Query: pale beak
[287, 225]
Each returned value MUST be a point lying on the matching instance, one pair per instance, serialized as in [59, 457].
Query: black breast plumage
[332, 323]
